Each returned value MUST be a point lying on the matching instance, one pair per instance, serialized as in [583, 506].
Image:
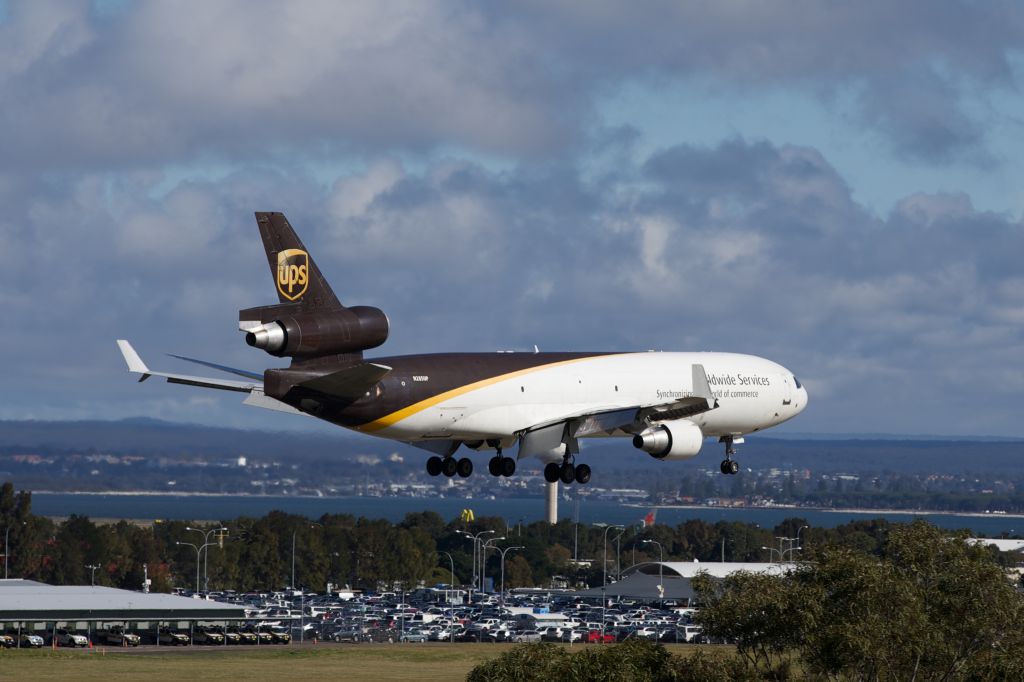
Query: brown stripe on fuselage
[447, 375]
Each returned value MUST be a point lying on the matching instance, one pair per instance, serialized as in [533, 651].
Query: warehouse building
[37, 608]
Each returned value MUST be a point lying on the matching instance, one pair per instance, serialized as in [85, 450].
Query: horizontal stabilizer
[258, 376]
[137, 366]
[349, 383]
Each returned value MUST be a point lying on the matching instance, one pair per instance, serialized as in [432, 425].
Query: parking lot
[422, 616]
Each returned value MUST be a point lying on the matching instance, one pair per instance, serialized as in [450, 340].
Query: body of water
[513, 510]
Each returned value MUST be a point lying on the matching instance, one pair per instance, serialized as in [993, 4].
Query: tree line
[256, 554]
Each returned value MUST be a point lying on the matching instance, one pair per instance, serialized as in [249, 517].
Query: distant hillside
[156, 437]
[852, 455]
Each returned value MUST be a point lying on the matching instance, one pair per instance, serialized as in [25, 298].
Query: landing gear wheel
[726, 465]
[582, 473]
[434, 465]
[494, 466]
[567, 473]
[734, 466]
[508, 466]
[449, 466]
[464, 467]
[552, 472]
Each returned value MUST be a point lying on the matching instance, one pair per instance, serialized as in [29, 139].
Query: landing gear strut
[729, 465]
[567, 472]
[500, 465]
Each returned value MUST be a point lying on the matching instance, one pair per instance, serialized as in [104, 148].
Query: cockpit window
[797, 382]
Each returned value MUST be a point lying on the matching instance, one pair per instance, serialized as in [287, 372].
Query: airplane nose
[802, 403]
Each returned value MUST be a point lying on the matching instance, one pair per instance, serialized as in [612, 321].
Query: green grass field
[281, 664]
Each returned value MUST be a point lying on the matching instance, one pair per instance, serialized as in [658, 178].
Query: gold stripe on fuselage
[416, 408]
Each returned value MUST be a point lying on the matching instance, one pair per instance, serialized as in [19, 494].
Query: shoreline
[841, 510]
[695, 507]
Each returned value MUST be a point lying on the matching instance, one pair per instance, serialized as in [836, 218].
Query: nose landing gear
[729, 465]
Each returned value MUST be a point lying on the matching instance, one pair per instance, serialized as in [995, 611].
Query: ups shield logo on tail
[292, 273]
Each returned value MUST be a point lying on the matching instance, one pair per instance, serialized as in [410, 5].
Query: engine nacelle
[671, 440]
[346, 330]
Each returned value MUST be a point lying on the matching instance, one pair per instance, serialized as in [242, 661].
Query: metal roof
[716, 569]
[645, 586]
[1001, 544]
[25, 600]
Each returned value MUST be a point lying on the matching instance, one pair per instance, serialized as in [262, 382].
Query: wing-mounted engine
[288, 331]
[670, 440]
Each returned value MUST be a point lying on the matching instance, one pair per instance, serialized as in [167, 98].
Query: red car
[598, 637]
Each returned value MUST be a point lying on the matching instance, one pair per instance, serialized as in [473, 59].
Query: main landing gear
[729, 465]
[449, 466]
[567, 472]
[500, 465]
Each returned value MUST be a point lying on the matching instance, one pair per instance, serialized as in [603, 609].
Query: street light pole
[294, 533]
[503, 551]
[92, 578]
[618, 554]
[206, 552]
[7, 546]
[483, 561]
[604, 564]
[661, 566]
[772, 549]
[798, 533]
[451, 627]
[475, 539]
[198, 550]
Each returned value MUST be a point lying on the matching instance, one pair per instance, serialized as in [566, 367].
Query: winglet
[135, 363]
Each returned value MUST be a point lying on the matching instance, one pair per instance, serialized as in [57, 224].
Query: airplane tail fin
[308, 323]
[297, 278]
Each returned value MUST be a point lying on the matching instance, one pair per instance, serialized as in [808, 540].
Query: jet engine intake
[346, 330]
[671, 440]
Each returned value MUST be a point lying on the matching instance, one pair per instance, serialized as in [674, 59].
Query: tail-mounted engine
[282, 331]
[670, 440]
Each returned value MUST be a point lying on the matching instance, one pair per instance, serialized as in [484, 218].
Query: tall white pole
[551, 506]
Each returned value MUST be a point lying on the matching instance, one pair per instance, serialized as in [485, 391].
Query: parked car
[263, 636]
[552, 633]
[526, 636]
[117, 636]
[350, 635]
[412, 636]
[572, 635]
[206, 635]
[7, 641]
[31, 641]
[70, 638]
[280, 634]
[691, 632]
[599, 637]
[173, 637]
[245, 636]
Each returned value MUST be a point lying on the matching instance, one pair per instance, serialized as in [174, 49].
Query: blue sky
[835, 187]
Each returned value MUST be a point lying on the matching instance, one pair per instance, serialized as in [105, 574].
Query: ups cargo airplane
[667, 403]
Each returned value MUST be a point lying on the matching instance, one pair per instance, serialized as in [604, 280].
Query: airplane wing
[253, 387]
[545, 437]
